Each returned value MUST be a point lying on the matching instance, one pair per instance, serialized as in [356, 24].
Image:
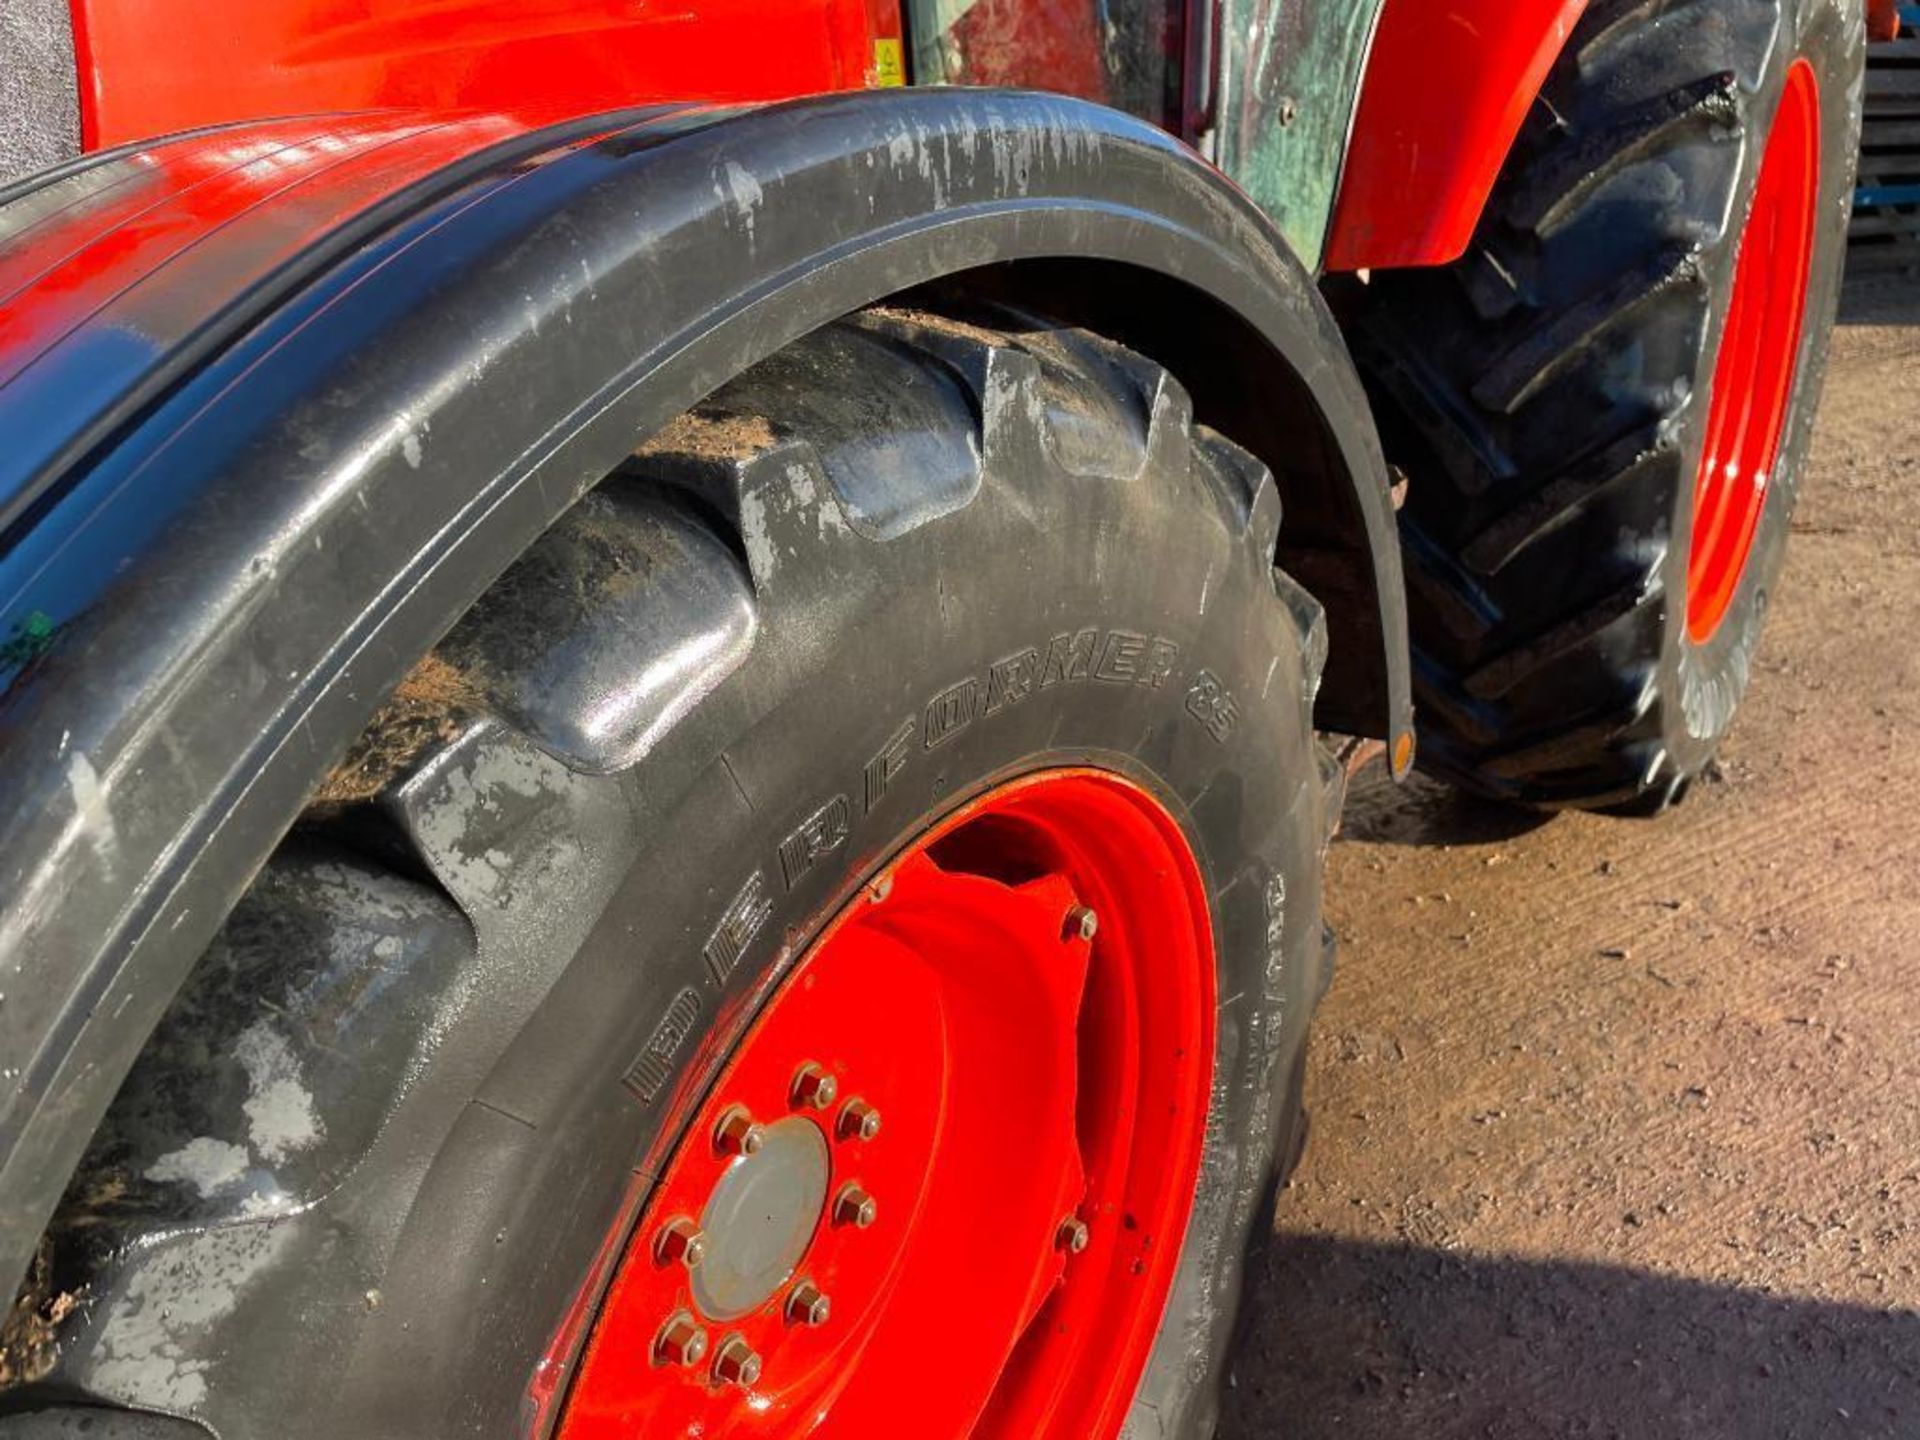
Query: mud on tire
[369, 1165]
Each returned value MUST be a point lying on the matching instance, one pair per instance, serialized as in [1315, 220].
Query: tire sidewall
[1710, 677]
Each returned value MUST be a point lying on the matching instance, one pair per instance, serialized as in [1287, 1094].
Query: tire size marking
[1213, 705]
[1276, 976]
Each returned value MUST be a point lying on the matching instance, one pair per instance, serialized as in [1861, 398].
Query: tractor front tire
[1605, 406]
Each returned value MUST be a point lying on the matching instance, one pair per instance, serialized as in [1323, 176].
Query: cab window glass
[1123, 53]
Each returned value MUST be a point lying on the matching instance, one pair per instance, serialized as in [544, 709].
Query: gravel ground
[1615, 1122]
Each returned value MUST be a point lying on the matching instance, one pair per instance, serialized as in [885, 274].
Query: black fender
[262, 468]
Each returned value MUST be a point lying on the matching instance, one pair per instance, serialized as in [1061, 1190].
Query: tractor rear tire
[402, 1159]
[1585, 596]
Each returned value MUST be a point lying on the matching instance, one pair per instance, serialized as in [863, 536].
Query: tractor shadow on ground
[1424, 811]
[1370, 1342]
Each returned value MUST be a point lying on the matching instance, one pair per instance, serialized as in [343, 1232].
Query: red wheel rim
[1759, 353]
[1026, 996]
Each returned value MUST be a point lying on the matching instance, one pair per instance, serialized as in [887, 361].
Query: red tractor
[669, 671]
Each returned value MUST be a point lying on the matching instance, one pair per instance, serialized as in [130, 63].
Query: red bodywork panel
[137, 219]
[1447, 88]
[143, 74]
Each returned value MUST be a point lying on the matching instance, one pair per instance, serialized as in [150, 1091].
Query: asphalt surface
[1616, 1124]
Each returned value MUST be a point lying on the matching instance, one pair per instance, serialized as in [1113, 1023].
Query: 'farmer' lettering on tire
[1011, 680]
[1117, 657]
[951, 711]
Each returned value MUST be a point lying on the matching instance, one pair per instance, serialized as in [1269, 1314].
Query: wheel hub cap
[758, 1220]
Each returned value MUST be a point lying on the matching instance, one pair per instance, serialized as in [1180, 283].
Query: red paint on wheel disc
[1025, 1077]
[1759, 353]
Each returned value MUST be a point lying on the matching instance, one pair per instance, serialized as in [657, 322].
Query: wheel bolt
[854, 1206]
[807, 1306]
[813, 1088]
[1082, 922]
[737, 1133]
[734, 1363]
[858, 1120]
[1073, 1235]
[681, 1341]
[680, 1239]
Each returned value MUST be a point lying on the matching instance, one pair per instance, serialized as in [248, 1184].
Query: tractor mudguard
[1447, 86]
[249, 377]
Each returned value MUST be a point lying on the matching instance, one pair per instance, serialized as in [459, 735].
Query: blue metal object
[1871, 195]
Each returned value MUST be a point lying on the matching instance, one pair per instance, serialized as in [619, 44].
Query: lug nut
[734, 1363]
[1082, 922]
[737, 1133]
[680, 1240]
[1072, 1235]
[813, 1088]
[858, 1120]
[681, 1341]
[854, 1206]
[807, 1306]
